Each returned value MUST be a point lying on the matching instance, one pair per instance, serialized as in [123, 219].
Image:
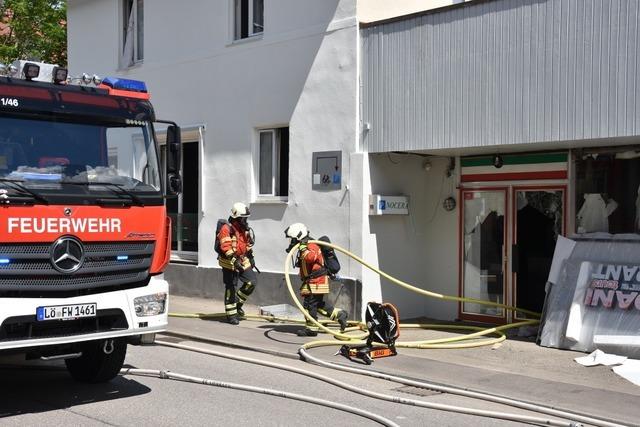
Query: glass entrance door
[483, 257]
[538, 220]
[508, 237]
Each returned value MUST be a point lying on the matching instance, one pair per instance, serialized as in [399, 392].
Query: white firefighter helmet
[240, 210]
[297, 231]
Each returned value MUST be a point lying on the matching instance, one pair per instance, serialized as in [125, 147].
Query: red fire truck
[84, 233]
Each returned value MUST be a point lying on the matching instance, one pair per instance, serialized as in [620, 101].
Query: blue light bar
[125, 84]
[123, 257]
[5, 260]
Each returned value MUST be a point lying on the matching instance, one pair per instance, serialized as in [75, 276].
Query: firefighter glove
[237, 265]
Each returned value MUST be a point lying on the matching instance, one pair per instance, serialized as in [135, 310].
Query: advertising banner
[593, 301]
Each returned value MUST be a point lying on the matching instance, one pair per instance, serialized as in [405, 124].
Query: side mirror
[173, 149]
[174, 184]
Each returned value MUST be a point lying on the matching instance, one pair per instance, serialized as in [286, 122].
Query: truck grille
[28, 267]
[27, 327]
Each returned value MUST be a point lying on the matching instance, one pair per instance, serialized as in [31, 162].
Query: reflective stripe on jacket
[310, 259]
[234, 243]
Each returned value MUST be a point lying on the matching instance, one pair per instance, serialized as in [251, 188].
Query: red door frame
[514, 225]
[505, 295]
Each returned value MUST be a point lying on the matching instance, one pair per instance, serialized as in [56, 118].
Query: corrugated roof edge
[467, 3]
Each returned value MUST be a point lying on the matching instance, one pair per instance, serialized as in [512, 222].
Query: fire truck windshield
[49, 153]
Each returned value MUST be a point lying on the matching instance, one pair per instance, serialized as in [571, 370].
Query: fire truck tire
[96, 366]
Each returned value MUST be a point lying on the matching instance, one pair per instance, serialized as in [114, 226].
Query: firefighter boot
[233, 320]
[342, 320]
[239, 309]
[306, 333]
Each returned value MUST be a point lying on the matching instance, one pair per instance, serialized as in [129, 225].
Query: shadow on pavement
[219, 319]
[290, 330]
[28, 390]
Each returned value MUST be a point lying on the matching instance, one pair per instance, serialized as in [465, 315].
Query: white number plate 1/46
[62, 312]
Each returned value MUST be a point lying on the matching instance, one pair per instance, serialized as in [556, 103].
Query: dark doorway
[539, 220]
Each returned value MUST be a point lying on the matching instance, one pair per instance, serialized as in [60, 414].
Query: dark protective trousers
[232, 298]
[315, 304]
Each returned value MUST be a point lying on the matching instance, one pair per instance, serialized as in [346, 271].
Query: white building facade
[260, 89]
[489, 128]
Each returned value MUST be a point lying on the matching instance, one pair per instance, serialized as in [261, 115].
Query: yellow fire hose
[474, 339]
[452, 342]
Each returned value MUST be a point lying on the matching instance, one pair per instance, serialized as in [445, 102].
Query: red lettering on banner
[625, 300]
[605, 284]
[600, 296]
[587, 298]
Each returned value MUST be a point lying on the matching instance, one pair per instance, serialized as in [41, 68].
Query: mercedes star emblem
[67, 211]
[67, 254]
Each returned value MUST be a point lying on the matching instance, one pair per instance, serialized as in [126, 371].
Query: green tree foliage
[33, 29]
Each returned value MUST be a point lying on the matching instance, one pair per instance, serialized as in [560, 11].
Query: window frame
[236, 20]
[127, 7]
[276, 173]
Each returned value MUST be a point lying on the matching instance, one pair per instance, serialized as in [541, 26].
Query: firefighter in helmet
[236, 244]
[315, 280]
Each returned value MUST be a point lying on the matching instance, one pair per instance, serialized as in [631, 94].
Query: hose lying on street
[479, 337]
[596, 421]
[278, 393]
[386, 397]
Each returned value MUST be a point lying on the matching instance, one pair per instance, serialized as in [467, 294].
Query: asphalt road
[46, 395]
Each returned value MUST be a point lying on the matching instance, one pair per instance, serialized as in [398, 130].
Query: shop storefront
[514, 207]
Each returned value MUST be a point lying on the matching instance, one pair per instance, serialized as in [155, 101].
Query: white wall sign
[388, 205]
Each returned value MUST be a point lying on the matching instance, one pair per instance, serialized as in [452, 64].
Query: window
[248, 18]
[273, 162]
[133, 33]
[60, 151]
[608, 190]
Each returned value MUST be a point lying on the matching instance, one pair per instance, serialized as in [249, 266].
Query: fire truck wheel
[95, 365]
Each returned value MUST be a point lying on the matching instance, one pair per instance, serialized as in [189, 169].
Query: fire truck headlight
[60, 75]
[31, 70]
[150, 305]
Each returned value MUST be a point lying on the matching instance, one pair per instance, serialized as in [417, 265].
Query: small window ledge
[135, 65]
[267, 200]
[184, 258]
[253, 38]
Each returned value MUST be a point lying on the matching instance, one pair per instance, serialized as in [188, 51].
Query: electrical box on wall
[388, 205]
[326, 170]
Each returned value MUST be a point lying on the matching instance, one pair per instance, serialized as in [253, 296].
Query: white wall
[420, 248]
[93, 34]
[302, 72]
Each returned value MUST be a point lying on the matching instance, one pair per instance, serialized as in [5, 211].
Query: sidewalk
[515, 368]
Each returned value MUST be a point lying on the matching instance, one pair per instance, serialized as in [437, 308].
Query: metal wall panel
[502, 72]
